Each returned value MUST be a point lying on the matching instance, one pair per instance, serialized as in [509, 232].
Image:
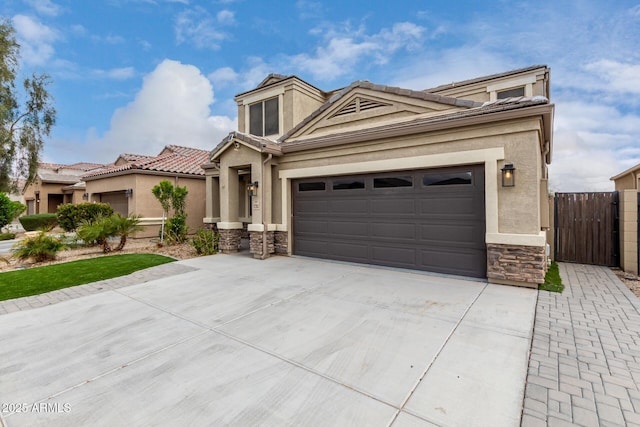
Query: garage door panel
[393, 206]
[397, 231]
[438, 228]
[349, 206]
[349, 228]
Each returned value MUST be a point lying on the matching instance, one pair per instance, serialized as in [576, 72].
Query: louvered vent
[358, 105]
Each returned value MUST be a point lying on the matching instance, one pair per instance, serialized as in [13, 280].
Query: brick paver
[141, 276]
[584, 367]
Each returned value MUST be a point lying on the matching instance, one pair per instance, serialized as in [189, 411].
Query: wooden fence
[586, 228]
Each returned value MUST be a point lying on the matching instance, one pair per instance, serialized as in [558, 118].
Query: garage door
[429, 220]
[118, 201]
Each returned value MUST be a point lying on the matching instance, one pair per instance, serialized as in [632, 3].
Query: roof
[274, 79]
[173, 159]
[260, 143]
[483, 78]
[409, 126]
[81, 166]
[422, 95]
[58, 178]
[632, 169]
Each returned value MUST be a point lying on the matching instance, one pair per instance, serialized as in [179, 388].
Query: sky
[131, 76]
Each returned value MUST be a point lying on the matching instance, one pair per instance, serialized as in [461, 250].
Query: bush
[103, 227]
[40, 248]
[70, 216]
[176, 229]
[205, 242]
[7, 236]
[38, 222]
[9, 210]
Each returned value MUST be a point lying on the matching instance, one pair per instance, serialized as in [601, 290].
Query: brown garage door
[118, 201]
[427, 220]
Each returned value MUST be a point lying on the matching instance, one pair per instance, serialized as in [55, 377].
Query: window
[348, 184]
[511, 93]
[264, 118]
[393, 181]
[452, 178]
[311, 186]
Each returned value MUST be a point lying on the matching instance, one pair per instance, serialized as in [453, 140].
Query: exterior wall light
[508, 175]
[128, 192]
[253, 188]
[85, 196]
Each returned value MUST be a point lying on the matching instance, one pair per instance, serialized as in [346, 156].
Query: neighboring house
[626, 184]
[126, 185]
[390, 176]
[54, 185]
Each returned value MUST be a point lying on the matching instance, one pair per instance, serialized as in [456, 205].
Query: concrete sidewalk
[585, 358]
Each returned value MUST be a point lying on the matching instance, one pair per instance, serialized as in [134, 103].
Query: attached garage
[432, 219]
[117, 200]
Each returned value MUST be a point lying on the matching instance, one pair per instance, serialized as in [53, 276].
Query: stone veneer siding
[516, 263]
[230, 240]
[282, 242]
[255, 243]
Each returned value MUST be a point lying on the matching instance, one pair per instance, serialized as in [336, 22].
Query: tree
[124, 227]
[25, 118]
[9, 210]
[164, 193]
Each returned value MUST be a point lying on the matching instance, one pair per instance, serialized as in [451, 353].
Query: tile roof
[58, 178]
[483, 78]
[81, 166]
[261, 143]
[457, 102]
[173, 159]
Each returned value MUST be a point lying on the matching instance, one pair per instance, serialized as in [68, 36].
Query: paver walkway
[585, 356]
[141, 276]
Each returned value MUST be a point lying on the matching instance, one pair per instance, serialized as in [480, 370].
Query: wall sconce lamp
[508, 175]
[253, 188]
[85, 196]
[236, 146]
[128, 192]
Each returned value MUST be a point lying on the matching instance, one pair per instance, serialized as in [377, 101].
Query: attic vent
[358, 105]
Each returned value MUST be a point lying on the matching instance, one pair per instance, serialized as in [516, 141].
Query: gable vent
[358, 105]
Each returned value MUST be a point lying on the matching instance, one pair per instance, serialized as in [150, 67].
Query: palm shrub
[124, 227]
[97, 232]
[40, 248]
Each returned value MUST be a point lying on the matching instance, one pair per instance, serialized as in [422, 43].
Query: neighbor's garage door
[428, 219]
[118, 202]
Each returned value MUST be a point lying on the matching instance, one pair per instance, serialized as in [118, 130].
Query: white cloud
[45, 7]
[197, 26]
[172, 107]
[617, 76]
[35, 40]
[223, 77]
[226, 17]
[123, 73]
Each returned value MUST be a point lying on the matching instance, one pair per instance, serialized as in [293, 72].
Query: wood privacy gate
[586, 228]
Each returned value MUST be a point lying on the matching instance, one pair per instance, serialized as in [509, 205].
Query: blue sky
[135, 75]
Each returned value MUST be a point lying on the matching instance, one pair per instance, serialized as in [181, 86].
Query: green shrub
[38, 222]
[103, 227]
[205, 242]
[7, 236]
[176, 229]
[39, 248]
[9, 210]
[70, 216]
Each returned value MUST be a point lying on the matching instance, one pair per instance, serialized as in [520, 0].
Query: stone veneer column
[255, 243]
[516, 264]
[281, 242]
[230, 240]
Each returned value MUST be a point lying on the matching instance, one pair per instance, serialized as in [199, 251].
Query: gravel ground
[631, 280]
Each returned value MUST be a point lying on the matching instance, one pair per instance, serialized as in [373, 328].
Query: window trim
[263, 103]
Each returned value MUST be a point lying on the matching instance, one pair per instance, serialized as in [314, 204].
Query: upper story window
[264, 118]
[511, 93]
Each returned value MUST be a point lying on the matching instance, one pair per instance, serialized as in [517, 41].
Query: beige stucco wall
[144, 203]
[518, 207]
[626, 182]
[629, 230]
[44, 189]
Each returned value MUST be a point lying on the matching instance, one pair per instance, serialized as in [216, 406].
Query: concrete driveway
[286, 341]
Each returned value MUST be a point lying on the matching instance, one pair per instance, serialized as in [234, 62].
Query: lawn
[552, 281]
[38, 280]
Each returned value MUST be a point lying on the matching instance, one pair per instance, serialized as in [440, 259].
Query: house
[54, 185]
[126, 185]
[390, 176]
[626, 184]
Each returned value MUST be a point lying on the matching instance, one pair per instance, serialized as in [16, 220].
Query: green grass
[552, 281]
[38, 280]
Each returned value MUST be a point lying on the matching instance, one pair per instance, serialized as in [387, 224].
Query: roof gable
[365, 104]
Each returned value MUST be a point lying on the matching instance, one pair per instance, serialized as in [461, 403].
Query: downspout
[262, 211]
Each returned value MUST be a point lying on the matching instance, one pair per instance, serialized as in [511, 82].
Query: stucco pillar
[629, 230]
[229, 227]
